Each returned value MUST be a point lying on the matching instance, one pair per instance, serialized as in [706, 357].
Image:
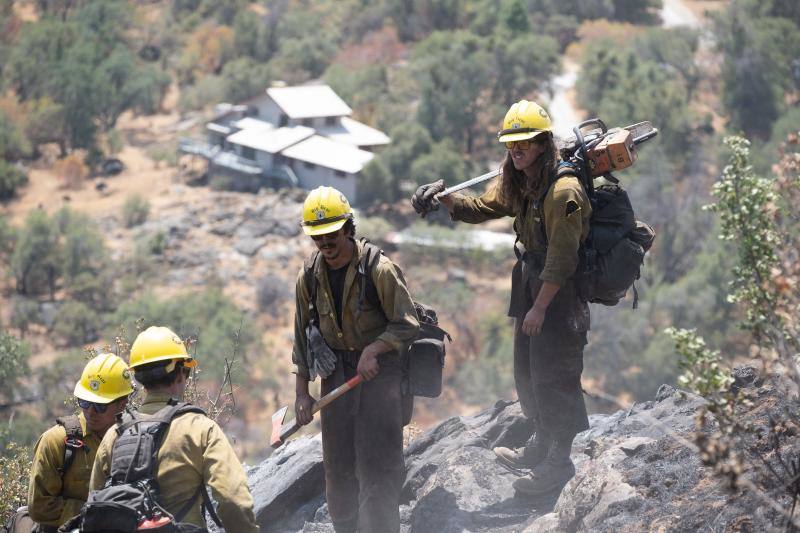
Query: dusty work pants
[362, 449]
[548, 367]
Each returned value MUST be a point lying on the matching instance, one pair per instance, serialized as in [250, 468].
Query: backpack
[611, 257]
[130, 499]
[423, 360]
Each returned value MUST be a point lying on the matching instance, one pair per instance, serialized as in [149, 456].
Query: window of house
[248, 153]
[330, 121]
[309, 165]
[340, 174]
[283, 121]
[308, 122]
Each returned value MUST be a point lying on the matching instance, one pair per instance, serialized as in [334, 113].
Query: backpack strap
[367, 291]
[564, 168]
[206, 504]
[73, 441]
[309, 278]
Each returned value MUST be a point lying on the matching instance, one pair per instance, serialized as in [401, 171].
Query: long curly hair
[514, 185]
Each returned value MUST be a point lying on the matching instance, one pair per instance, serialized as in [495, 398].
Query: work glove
[320, 358]
[424, 200]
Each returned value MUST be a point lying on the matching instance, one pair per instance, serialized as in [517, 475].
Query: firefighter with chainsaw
[340, 332]
[551, 213]
[64, 455]
[193, 452]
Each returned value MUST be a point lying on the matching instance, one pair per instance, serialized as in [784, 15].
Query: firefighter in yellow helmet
[64, 454]
[338, 334]
[194, 453]
[551, 218]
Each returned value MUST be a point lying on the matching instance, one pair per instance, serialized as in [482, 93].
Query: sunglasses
[522, 145]
[99, 407]
[326, 236]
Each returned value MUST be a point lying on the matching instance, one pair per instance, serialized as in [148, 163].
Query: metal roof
[252, 123]
[270, 140]
[309, 101]
[330, 154]
[355, 133]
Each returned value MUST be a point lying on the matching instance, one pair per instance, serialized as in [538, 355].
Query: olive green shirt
[195, 451]
[566, 211]
[53, 499]
[395, 322]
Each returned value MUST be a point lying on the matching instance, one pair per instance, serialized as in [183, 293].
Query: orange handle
[335, 393]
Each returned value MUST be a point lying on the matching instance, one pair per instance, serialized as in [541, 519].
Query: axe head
[277, 424]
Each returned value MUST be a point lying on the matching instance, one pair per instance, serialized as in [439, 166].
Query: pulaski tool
[281, 431]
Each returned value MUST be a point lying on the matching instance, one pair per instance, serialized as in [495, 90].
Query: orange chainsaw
[595, 151]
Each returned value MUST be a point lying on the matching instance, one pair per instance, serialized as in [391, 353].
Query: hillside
[88, 257]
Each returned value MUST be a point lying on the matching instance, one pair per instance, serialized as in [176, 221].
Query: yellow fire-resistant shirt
[566, 211]
[396, 323]
[194, 451]
[53, 499]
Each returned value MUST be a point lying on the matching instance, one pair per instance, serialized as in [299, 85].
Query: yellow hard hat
[524, 120]
[104, 379]
[158, 343]
[325, 210]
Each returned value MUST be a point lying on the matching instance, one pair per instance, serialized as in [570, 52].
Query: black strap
[366, 268]
[162, 418]
[309, 278]
[206, 504]
[73, 441]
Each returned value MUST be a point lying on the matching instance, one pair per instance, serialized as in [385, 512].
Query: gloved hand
[424, 200]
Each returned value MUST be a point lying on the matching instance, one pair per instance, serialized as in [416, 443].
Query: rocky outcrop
[636, 470]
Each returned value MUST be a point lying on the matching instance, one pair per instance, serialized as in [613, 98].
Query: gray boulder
[636, 470]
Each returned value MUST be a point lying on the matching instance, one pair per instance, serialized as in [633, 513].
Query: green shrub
[11, 178]
[209, 315]
[15, 463]
[25, 312]
[76, 323]
[135, 210]
[14, 355]
[373, 228]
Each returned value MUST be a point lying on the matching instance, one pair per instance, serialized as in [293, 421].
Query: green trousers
[362, 448]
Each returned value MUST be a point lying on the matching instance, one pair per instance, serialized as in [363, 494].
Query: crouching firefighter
[153, 466]
[64, 455]
[340, 333]
[551, 213]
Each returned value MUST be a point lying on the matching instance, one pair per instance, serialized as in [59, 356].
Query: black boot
[532, 454]
[551, 474]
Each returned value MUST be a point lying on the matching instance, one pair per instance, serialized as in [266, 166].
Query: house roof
[270, 140]
[355, 133]
[330, 154]
[252, 123]
[309, 101]
[218, 128]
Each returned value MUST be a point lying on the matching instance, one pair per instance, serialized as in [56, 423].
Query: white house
[305, 132]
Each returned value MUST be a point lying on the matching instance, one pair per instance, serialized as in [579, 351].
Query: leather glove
[424, 200]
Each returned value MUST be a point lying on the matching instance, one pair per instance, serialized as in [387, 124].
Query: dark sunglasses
[326, 236]
[99, 407]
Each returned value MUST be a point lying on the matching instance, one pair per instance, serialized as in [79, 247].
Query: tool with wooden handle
[281, 431]
[606, 150]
